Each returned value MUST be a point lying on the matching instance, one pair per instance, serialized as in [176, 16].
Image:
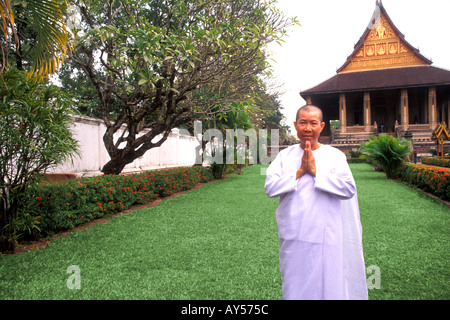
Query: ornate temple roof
[382, 59]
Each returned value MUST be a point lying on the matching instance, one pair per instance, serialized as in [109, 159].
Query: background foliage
[34, 136]
[445, 162]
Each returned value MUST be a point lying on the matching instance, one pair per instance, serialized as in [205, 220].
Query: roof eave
[305, 94]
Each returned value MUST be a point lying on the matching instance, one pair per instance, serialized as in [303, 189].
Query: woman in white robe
[318, 220]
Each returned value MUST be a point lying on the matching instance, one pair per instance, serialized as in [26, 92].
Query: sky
[330, 29]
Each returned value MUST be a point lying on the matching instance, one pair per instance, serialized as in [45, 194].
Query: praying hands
[308, 162]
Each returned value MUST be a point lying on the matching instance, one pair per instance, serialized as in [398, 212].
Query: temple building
[386, 85]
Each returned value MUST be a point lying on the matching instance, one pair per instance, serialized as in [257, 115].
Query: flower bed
[428, 178]
[49, 208]
[445, 162]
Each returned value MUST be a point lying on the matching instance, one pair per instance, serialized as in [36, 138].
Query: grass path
[216, 242]
[220, 242]
[405, 234]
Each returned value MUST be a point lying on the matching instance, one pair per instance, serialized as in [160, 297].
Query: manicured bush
[430, 179]
[356, 156]
[48, 208]
[387, 153]
[445, 162]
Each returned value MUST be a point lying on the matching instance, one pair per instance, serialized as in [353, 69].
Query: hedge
[355, 156]
[445, 162]
[49, 208]
[430, 179]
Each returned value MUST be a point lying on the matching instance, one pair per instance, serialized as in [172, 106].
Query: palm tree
[48, 19]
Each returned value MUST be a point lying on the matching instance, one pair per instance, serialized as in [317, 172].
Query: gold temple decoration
[383, 48]
[440, 135]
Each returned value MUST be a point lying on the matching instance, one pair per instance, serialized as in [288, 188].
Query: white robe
[319, 227]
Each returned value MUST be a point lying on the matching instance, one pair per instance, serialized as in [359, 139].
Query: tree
[269, 115]
[35, 33]
[34, 136]
[84, 95]
[226, 150]
[166, 60]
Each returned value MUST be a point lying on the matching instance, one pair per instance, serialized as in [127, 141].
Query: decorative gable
[382, 46]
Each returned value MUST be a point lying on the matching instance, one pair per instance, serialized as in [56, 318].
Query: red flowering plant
[432, 179]
[61, 206]
[444, 162]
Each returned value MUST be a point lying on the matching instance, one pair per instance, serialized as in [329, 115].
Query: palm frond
[48, 17]
[387, 151]
[7, 19]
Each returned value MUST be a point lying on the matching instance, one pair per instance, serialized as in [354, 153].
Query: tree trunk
[8, 215]
[114, 166]
[136, 148]
[121, 159]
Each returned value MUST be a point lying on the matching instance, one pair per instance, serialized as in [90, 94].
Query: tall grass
[220, 242]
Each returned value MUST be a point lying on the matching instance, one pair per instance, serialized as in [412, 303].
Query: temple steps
[352, 140]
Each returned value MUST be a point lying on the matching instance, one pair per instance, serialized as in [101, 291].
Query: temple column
[404, 105]
[432, 112]
[343, 112]
[367, 112]
[448, 113]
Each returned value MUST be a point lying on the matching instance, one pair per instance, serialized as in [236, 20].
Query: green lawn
[220, 242]
[405, 234]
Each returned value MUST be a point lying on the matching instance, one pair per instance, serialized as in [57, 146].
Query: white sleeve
[278, 183]
[336, 179]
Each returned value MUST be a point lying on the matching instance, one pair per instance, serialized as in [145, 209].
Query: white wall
[177, 150]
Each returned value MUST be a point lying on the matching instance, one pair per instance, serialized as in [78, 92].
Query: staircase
[421, 140]
[349, 141]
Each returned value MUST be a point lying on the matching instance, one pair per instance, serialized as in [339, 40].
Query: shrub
[49, 208]
[355, 156]
[387, 152]
[445, 162]
[430, 179]
[35, 135]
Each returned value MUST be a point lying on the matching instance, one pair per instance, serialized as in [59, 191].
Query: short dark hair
[309, 108]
